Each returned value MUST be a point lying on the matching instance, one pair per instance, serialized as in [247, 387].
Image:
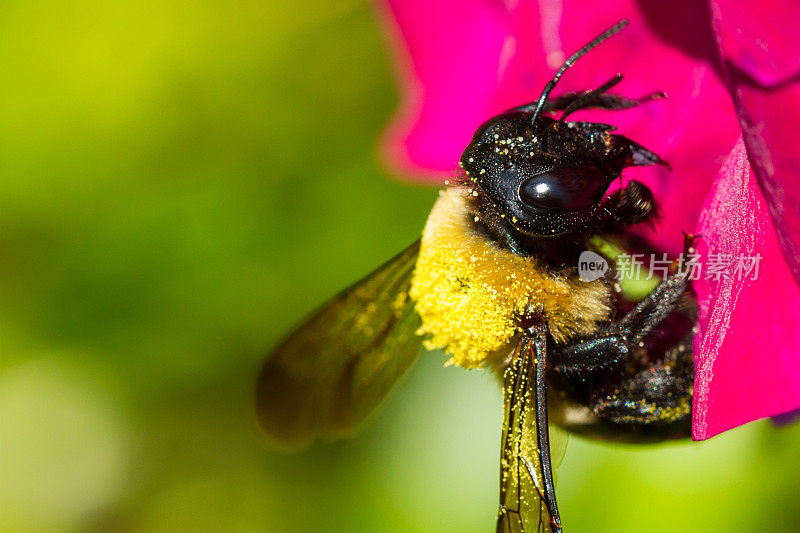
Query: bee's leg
[662, 301]
[588, 356]
[614, 345]
[656, 398]
[632, 204]
[651, 311]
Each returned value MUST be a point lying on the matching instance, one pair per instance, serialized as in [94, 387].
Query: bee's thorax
[471, 291]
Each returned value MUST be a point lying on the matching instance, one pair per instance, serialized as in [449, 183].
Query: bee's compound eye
[563, 188]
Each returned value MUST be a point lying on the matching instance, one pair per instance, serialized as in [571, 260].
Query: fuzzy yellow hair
[470, 293]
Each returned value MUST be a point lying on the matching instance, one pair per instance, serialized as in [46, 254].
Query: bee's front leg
[613, 345]
[662, 301]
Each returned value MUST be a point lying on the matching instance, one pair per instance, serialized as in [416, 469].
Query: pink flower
[732, 73]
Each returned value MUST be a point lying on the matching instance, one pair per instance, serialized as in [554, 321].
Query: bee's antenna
[571, 61]
[587, 97]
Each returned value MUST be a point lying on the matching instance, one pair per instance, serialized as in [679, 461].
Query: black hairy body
[632, 379]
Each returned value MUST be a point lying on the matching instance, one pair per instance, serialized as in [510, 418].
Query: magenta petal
[462, 62]
[761, 50]
[669, 47]
[770, 120]
[747, 357]
[450, 55]
[760, 38]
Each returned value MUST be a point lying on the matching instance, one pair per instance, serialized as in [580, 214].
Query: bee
[494, 282]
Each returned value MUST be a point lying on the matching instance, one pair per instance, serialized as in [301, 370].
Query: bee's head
[546, 176]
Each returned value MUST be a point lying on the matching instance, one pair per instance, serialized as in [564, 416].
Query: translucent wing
[331, 372]
[558, 446]
[527, 496]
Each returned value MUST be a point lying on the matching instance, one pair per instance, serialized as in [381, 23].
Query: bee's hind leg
[588, 356]
[656, 400]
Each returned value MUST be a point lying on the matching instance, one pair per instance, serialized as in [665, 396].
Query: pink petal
[668, 46]
[449, 55]
[468, 61]
[760, 47]
[759, 38]
[747, 358]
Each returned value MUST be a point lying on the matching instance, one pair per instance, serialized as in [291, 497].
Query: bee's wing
[527, 496]
[331, 372]
[558, 446]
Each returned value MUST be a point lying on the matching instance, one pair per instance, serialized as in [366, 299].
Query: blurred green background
[180, 182]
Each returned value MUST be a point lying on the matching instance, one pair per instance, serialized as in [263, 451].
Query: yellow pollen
[470, 293]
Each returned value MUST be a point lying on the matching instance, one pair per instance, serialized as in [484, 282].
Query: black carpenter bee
[494, 282]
